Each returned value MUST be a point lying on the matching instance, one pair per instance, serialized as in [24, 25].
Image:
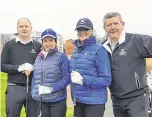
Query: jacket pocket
[137, 81]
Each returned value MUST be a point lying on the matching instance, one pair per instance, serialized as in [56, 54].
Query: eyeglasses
[82, 29]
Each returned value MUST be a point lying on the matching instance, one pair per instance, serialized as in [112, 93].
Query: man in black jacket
[17, 59]
[129, 90]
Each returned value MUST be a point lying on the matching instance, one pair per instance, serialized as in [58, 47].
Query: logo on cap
[47, 31]
[82, 22]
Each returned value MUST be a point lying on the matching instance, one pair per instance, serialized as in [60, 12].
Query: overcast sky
[62, 15]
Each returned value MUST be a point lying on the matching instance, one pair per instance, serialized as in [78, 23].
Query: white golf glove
[21, 68]
[25, 66]
[76, 78]
[43, 90]
[28, 67]
[149, 80]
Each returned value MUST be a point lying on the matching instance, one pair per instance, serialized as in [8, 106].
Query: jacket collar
[50, 53]
[121, 40]
[86, 42]
[21, 41]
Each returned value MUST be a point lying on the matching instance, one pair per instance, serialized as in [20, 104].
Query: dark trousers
[16, 98]
[150, 104]
[89, 110]
[131, 107]
[54, 109]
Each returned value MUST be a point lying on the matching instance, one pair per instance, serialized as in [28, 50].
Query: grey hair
[112, 14]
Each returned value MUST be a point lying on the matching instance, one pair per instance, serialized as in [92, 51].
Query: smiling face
[84, 33]
[24, 28]
[48, 43]
[114, 27]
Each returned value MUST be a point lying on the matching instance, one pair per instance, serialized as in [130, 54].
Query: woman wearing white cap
[51, 77]
[90, 73]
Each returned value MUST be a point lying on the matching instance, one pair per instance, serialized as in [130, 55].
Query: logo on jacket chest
[85, 54]
[33, 51]
[122, 52]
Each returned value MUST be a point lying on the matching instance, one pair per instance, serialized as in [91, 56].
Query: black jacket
[129, 65]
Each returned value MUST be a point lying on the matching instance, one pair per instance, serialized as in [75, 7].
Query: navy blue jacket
[52, 71]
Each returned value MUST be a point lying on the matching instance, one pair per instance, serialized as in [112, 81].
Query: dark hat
[49, 33]
[84, 23]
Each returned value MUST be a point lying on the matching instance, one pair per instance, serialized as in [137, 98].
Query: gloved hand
[21, 68]
[76, 78]
[25, 67]
[28, 67]
[43, 90]
[149, 80]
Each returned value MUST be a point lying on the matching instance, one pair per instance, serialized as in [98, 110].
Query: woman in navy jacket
[90, 73]
[51, 77]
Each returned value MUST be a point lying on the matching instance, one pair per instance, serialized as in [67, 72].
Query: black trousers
[131, 107]
[89, 110]
[16, 98]
[54, 109]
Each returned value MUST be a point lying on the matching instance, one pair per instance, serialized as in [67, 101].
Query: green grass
[3, 80]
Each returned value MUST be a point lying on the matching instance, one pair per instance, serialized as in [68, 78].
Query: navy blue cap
[84, 23]
[49, 33]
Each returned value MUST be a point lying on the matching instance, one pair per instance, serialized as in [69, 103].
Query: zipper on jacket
[43, 74]
[137, 81]
[44, 68]
[74, 85]
[114, 49]
[111, 57]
